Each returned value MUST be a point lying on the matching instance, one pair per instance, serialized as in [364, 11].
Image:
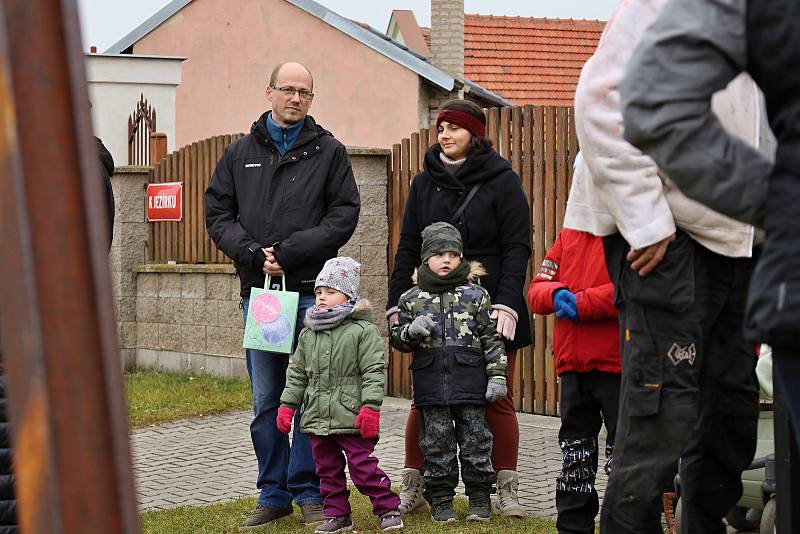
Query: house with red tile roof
[524, 59]
[369, 90]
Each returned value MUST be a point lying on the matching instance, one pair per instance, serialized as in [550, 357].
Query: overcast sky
[104, 22]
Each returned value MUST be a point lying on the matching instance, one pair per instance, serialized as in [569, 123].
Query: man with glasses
[282, 201]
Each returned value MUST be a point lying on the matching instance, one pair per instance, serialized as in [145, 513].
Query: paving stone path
[209, 460]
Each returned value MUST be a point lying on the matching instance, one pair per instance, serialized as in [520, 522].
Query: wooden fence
[541, 144]
[187, 241]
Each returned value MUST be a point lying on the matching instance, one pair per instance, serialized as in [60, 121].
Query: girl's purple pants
[329, 456]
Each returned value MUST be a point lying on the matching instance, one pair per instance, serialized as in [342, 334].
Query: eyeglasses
[289, 92]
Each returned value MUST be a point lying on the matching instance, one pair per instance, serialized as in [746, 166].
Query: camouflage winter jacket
[453, 364]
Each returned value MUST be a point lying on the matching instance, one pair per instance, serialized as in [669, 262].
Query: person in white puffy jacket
[681, 273]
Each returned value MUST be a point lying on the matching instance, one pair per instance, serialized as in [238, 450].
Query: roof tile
[528, 60]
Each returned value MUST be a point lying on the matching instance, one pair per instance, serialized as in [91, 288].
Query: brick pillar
[131, 234]
[447, 36]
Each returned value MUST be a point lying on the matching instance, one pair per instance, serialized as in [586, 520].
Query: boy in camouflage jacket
[459, 364]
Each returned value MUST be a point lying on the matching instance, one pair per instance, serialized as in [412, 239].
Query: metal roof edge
[135, 56]
[382, 45]
[474, 88]
[147, 26]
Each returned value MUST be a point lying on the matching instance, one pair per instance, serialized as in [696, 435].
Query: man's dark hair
[277, 70]
[477, 143]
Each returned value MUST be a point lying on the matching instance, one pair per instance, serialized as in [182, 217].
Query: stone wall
[186, 318]
[436, 98]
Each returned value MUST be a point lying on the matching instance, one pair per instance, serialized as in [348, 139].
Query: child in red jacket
[573, 283]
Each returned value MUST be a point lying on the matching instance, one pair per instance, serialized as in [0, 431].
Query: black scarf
[431, 282]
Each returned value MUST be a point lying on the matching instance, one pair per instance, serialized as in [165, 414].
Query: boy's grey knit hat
[342, 274]
[440, 237]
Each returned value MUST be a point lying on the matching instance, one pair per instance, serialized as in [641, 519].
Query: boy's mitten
[565, 304]
[368, 422]
[496, 389]
[284, 419]
[420, 327]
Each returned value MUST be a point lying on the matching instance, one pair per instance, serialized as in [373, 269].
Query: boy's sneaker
[479, 508]
[391, 521]
[335, 524]
[412, 487]
[443, 512]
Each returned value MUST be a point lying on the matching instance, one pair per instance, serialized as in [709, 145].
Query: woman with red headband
[466, 183]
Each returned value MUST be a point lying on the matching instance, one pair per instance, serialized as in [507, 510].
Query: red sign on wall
[165, 202]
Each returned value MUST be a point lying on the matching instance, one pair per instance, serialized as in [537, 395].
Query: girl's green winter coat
[333, 373]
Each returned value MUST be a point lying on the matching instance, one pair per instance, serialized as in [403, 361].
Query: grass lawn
[225, 518]
[155, 398]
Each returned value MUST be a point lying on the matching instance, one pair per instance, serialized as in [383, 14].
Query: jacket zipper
[445, 367]
[452, 318]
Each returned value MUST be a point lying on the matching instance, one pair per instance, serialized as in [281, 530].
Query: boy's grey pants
[443, 429]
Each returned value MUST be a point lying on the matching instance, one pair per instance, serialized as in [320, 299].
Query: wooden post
[158, 147]
[66, 396]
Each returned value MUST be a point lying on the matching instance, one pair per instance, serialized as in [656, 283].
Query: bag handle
[463, 206]
[268, 280]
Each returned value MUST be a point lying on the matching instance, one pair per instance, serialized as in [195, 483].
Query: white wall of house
[116, 83]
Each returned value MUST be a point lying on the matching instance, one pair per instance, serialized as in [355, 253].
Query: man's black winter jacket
[107, 170]
[304, 203]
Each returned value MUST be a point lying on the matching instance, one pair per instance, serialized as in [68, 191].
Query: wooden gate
[187, 241]
[541, 144]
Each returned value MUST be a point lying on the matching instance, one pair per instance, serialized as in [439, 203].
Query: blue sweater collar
[283, 138]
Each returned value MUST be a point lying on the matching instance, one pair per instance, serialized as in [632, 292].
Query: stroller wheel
[768, 518]
[737, 518]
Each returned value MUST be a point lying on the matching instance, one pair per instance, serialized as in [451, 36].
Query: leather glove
[284, 419]
[565, 304]
[420, 327]
[259, 258]
[506, 324]
[368, 422]
[496, 389]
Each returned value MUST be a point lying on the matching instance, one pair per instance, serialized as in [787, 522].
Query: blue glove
[565, 304]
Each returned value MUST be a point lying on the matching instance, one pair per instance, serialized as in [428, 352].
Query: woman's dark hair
[477, 143]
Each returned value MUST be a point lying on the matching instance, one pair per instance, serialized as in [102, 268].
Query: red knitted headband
[466, 120]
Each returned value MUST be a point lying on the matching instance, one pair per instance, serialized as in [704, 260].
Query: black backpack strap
[463, 206]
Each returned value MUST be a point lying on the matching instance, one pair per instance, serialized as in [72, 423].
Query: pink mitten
[284, 419]
[368, 421]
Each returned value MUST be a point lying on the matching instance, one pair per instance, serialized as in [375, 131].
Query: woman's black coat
[495, 227]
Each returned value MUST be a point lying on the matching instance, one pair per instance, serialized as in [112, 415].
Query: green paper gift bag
[271, 319]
